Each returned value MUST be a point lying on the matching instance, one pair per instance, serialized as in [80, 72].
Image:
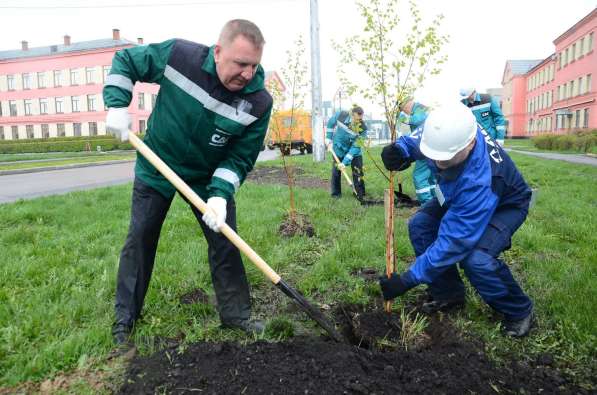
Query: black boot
[433, 306]
[519, 328]
[121, 334]
[248, 326]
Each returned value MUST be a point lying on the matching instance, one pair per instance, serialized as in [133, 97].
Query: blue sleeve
[460, 230]
[409, 145]
[355, 148]
[498, 119]
[331, 125]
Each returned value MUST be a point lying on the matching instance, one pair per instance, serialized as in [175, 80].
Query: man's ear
[217, 53]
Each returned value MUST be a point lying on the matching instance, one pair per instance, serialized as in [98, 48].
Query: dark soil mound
[277, 175]
[195, 296]
[299, 225]
[446, 364]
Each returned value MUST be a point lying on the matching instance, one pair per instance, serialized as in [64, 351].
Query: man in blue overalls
[414, 114]
[481, 200]
[344, 130]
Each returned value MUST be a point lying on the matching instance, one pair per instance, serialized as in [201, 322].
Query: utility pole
[316, 118]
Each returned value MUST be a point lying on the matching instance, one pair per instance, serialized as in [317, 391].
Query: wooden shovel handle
[343, 171]
[183, 188]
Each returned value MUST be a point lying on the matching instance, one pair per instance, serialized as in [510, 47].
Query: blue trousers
[488, 274]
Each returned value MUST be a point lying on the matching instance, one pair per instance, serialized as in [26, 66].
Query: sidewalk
[572, 158]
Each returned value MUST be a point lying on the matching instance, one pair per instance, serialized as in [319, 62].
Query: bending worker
[481, 200]
[414, 114]
[343, 132]
[488, 113]
[208, 125]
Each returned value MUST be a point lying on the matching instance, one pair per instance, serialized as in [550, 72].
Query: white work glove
[215, 216]
[118, 123]
[500, 142]
[341, 166]
[328, 143]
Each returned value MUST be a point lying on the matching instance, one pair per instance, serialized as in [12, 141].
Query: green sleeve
[241, 158]
[144, 63]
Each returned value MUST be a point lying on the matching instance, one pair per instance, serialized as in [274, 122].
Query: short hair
[402, 103]
[243, 27]
[357, 110]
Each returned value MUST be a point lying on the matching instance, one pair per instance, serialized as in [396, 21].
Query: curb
[63, 167]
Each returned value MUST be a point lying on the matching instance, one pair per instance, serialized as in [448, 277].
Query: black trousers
[357, 177]
[148, 211]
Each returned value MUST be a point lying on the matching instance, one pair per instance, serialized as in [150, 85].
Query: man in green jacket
[208, 125]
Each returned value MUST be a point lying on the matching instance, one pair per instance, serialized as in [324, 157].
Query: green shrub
[63, 144]
[581, 141]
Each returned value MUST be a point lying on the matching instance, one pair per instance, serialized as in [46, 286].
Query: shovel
[343, 171]
[227, 231]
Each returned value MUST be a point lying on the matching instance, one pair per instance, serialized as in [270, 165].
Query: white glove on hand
[341, 166]
[118, 123]
[500, 142]
[328, 143]
[215, 216]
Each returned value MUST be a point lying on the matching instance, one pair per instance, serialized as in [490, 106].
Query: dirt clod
[297, 226]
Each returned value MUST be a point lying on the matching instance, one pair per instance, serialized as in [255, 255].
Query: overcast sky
[483, 34]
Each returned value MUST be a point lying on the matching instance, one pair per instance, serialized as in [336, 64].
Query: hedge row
[64, 144]
[585, 141]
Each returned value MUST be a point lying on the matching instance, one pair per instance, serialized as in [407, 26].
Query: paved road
[582, 159]
[56, 182]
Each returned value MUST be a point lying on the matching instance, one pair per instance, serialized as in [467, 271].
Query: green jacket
[209, 136]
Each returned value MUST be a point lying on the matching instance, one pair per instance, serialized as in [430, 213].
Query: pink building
[56, 91]
[556, 94]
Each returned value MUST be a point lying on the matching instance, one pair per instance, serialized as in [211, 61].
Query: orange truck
[290, 130]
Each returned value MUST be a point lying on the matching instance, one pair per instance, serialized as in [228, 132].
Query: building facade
[56, 91]
[556, 94]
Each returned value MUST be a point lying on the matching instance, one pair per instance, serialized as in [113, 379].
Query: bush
[577, 141]
[63, 144]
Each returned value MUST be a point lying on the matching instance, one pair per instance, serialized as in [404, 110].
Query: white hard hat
[448, 129]
[466, 92]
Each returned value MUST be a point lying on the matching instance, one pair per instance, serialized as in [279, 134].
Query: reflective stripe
[345, 128]
[228, 176]
[500, 127]
[349, 156]
[426, 189]
[204, 98]
[481, 106]
[120, 81]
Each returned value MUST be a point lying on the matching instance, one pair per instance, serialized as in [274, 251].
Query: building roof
[519, 67]
[577, 25]
[63, 49]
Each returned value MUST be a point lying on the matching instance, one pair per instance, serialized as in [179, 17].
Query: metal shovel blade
[315, 314]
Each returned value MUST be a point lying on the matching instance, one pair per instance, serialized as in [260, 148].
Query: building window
[10, 81]
[27, 107]
[573, 53]
[41, 80]
[586, 119]
[26, 81]
[15, 132]
[45, 131]
[577, 119]
[2, 133]
[12, 107]
[106, 71]
[589, 87]
[74, 77]
[141, 126]
[90, 75]
[93, 128]
[154, 98]
[59, 101]
[43, 106]
[590, 42]
[91, 103]
[29, 130]
[60, 130]
[77, 129]
[74, 100]
[0, 108]
[573, 88]
[141, 101]
[57, 78]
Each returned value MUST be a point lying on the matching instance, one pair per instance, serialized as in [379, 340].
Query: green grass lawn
[59, 258]
[58, 155]
[16, 165]
[527, 145]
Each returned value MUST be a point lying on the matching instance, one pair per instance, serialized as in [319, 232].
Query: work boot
[248, 326]
[121, 334]
[519, 328]
[433, 306]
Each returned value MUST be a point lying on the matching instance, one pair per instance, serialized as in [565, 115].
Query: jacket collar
[256, 83]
